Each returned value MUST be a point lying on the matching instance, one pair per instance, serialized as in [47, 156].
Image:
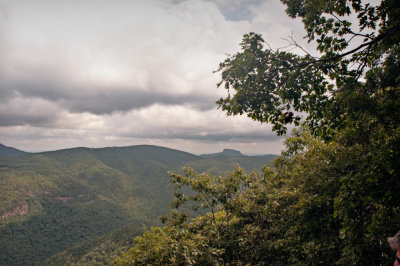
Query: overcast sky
[99, 73]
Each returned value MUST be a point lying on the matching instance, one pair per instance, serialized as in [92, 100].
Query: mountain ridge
[53, 201]
[225, 151]
[10, 151]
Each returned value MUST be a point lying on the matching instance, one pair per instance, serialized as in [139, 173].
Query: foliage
[273, 219]
[102, 250]
[170, 245]
[318, 204]
[348, 96]
[279, 86]
[332, 197]
[368, 198]
[53, 201]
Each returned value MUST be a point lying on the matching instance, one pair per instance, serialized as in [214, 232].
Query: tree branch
[374, 41]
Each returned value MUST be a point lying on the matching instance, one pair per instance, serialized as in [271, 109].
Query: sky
[101, 73]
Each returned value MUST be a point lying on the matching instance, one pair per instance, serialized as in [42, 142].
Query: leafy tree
[349, 95]
[279, 86]
[333, 196]
[368, 200]
[324, 203]
[297, 212]
[283, 216]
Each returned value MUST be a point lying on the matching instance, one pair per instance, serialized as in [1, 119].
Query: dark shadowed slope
[9, 151]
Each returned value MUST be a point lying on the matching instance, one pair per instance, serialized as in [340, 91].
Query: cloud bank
[104, 73]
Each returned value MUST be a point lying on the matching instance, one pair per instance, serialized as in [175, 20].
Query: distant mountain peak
[225, 152]
[231, 152]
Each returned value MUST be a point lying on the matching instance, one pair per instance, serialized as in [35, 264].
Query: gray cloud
[87, 61]
[100, 100]
[109, 102]
[99, 72]
[24, 118]
[28, 111]
[210, 137]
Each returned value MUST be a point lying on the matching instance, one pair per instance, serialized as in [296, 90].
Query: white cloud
[126, 72]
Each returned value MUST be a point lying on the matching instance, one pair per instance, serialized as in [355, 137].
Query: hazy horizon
[78, 147]
[120, 73]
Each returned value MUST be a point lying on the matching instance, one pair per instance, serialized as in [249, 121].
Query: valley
[72, 205]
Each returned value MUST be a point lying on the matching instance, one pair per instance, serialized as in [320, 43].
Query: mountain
[52, 203]
[218, 163]
[9, 151]
[225, 152]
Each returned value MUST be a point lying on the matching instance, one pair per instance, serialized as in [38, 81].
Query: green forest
[332, 197]
[84, 206]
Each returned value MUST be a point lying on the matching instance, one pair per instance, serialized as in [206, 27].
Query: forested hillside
[52, 201]
[9, 151]
[330, 198]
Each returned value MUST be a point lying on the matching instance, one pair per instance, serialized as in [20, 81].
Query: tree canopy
[280, 87]
[332, 197]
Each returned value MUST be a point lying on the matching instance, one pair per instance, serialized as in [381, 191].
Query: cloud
[181, 122]
[270, 19]
[166, 56]
[20, 111]
[121, 72]
[177, 127]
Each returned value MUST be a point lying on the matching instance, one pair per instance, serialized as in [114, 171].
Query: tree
[332, 197]
[282, 216]
[350, 96]
[278, 86]
[320, 203]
